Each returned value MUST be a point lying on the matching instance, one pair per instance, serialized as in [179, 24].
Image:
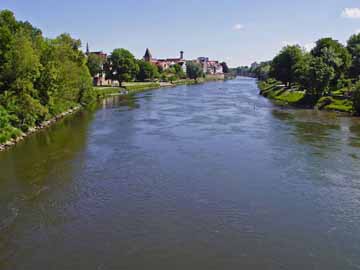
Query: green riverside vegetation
[327, 77]
[44, 79]
[39, 77]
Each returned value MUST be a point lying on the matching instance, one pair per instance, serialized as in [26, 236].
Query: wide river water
[210, 176]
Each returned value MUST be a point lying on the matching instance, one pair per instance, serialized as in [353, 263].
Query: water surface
[209, 176]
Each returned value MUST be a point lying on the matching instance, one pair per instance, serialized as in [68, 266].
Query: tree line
[328, 67]
[122, 66]
[39, 77]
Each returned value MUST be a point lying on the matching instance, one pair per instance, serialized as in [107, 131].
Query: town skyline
[235, 31]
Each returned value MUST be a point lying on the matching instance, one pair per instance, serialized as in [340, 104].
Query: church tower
[148, 56]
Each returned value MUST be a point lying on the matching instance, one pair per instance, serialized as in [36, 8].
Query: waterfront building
[165, 63]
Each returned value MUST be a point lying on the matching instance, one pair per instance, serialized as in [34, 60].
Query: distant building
[165, 63]
[100, 78]
[254, 65]
[210, 67]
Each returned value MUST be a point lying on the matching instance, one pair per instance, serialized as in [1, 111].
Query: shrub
[356, 98]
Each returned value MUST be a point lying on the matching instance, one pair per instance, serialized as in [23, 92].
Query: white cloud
[357, 31]
[351, 13]
[238, 27]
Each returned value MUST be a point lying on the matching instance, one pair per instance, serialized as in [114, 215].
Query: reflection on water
[208, 176]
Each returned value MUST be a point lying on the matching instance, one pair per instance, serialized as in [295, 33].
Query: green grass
[184, 82]
[335, 104]
[290, 97]
[140, 86]
[8, 133]
[102, 92]
[274, 90]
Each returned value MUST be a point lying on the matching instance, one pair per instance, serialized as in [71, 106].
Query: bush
[356, 98]
[7, 131]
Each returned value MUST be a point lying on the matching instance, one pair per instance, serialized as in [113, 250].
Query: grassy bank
[282, 95]
[102, 92]
[140, 86]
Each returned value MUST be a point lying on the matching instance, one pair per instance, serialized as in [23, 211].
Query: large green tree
[39, 77]
[194, 70]
[123, 66]
[335, 55]
[95, 64]
[353, 46]
[315, 76]
[179, 71]
[147, 71]
[356, 98]
[262, 72]
[284, 64]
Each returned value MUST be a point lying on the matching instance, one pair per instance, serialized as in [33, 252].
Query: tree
[283, 65]
[95, 64]
[179, 72]
[8, 28]
[356, 98]
[225, 67]
[315, 75]
[335, 55]
[147, 71]
[353, 46]
[262, 71]
[123, 66]
[194, 70]
[39, 78]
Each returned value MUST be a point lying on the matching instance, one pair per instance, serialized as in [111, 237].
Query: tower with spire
[87, 49]
[148, 56]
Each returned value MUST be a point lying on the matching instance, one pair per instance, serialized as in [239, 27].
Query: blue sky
[236, 31]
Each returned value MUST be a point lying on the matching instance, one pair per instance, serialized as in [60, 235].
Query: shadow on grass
[308, 101]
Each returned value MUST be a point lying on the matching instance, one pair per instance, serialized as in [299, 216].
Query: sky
[236, 31]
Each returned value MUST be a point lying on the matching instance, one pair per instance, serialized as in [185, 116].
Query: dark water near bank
[210, 176]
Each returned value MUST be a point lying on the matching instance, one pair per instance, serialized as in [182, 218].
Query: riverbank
[284, 96]
[42, 126]
[100, 93]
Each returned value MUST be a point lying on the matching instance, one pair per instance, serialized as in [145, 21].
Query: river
[210, 176]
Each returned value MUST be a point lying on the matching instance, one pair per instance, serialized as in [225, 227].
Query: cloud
[238, 27]
[357, 31]
[351, 13]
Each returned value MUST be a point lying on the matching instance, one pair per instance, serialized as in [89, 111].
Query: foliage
[356, 98]
[39, 77]
[179, 72]
[7, 131]
[147, 71]
[318, 76]
[283, 67]
[335, 55]
[194, 70]
[262, 72]
[123, 66]
[353, 46]
[95, 64]
[225, 67]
